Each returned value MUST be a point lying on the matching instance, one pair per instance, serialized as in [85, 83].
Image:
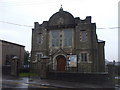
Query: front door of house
[61, 63]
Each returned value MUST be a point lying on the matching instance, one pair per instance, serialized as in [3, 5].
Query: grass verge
[27, 74]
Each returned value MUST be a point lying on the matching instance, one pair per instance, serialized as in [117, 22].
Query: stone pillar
[44, 67]
[15, 66]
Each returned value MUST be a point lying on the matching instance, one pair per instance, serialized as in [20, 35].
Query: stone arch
[57, 59]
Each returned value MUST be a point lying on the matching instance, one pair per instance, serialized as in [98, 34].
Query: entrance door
[61, 63]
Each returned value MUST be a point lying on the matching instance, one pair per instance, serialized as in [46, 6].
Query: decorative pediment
[59, 51]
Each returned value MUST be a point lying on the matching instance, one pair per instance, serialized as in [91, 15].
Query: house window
[8, 59]
[55, 38]
[83, 57]
[83, 36]
[67, 37]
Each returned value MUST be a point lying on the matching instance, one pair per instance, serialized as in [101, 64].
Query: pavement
[37, 82]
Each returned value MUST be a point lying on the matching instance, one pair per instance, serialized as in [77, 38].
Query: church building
[70, 43]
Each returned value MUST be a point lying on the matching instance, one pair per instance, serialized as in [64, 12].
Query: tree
[26, 57]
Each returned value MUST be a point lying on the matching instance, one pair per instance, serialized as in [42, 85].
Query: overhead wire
[109, 28]
[16, 24]
[32, 26]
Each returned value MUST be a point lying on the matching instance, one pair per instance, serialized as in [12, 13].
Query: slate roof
[12, 43]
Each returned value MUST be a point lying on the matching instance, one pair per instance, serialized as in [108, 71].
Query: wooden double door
[61, 63]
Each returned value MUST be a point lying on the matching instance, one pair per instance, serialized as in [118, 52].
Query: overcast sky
[17, 19]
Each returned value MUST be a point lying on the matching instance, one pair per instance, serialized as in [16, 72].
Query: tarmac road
[25, 83]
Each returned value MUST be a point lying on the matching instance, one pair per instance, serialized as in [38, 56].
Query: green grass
[27, 74]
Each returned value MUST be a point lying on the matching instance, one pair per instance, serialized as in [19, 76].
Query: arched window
[83, 36]
[55, 38]
[67, 37]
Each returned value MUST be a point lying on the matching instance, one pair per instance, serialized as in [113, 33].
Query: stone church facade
[70, 43]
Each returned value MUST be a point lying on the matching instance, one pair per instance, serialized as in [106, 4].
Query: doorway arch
[61, 63]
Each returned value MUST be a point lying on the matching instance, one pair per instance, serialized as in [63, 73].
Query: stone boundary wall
[6, 70]
[102, 79]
